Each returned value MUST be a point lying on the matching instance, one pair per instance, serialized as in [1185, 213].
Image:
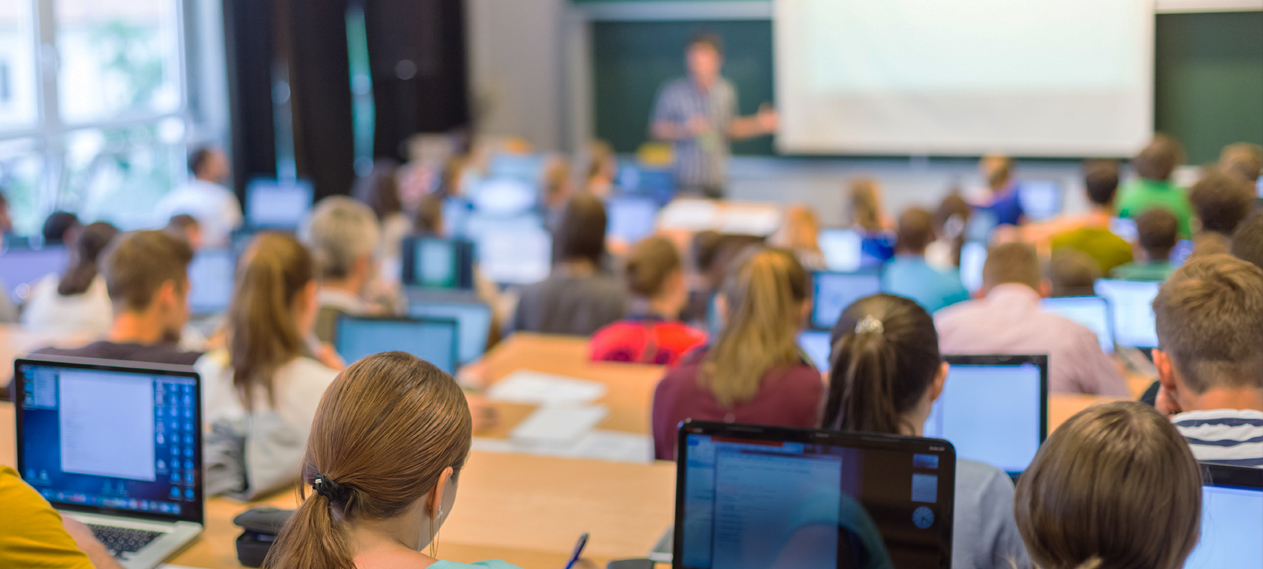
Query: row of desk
[527, 510]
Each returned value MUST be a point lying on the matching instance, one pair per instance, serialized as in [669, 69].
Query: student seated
[78, 301]
[1114, 486]
[868, 218]
[1072, 273]
[1247, 241]
[1154, 188]
[754, 372]
[388, 444]
[910, 276]
[1008, 320]
[711, 253]
[1093, 236]
[215, 207]
[887, 373]
[1243, 160]
[579, 297]
[1210, 361]
[261, 392]
[1003, 200]
[800, 233]
[61, 228]
[343, 236]
[602, 169]
[379, 190]
[556, 190]
[950, 220]
[1221, 202]
[187, 228]
[146, 275]
[33, 534]
[1158, 231]
[653, 334]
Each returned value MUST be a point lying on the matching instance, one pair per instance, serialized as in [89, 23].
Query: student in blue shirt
[1005, 203]
[909, 275]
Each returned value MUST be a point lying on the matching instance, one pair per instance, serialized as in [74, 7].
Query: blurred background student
[1153, 186]
[1220, 201]
[652, 334]
[78, 300]
[61, 228]
[1158, 233]
[800, 233]
[910, 275]
[379, 190]
[205, 198]
[187, 228]
[868, 217]
[602, 169]
[754, 371]
[1093, 236]
[343, 235]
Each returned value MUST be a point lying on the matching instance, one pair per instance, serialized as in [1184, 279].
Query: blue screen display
[21, 268]
[1092, 312]
[833, 292]
[211, 277]
[631, 218]
[278, 204]
[815, 343]
[991, 414]
[843, 249]
[431, 340]
[436, 264]
[1232, 521]
[473, 320]
[1131, 305]
[130, 441]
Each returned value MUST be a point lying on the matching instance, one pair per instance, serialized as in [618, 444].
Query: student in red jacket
[653, 334]
[754, 372]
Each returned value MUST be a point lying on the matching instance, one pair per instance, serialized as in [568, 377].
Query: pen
[578, 550]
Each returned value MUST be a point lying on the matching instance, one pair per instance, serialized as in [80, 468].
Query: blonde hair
[800, 231]
[865, 207]
[765, 295]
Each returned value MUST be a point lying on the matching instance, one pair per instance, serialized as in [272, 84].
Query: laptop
[431, 339]
[1131, 306]
[1232, 518]
[212, 275]
[993, 409]
[22, 267]
[1093, 312]
[1041, 199]
[1125, 227]
[437, 263]
[631, 218]
[815, 343]
[278, 204]
[843, 249]
[473, 319]
[515, 255]
[973, 256]
[117, 446]
[833, 292]
[755, 496]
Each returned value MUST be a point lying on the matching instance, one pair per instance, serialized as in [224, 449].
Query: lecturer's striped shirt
[1224, 436]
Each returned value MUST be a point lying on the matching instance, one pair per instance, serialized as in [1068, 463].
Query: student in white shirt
[214, 206]
[1210, 362]
[261, 392]
[77, 301]
[343, 235]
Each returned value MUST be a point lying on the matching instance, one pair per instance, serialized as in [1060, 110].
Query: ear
[1166, 371]
[435, 500]
[308, 297]
[1045, 288]
[940, 379]
[168, 294]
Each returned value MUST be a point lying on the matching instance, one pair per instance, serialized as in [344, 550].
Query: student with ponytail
[754, 372]
[886, 374]
[262, 391]
[384, 459]
[78, 301]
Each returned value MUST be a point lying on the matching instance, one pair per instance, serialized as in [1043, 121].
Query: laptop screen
[842, 249]
[815, 343]
[473, 320]
[520, 255]
[431, 339]
[1040, 199]
[631, 218]
[1232, 519]
[1090, 311]
[1131, 304]
[833, 292]
[21, 268]
[111, 438]
[973, 255]
[761, 497]
[437, 263]
[277, 204]
[993, 409]
[211, 278]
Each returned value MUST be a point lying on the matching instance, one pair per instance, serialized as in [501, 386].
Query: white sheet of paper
[558, 424]
[526, 386]
[612, 446]
[689, 214]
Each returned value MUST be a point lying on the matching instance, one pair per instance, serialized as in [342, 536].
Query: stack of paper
[537, 388]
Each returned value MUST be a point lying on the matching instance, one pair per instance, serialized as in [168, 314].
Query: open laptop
[1093, 312]
[631, 218]
[843, 249]
[278, 204]
[973, 256]
[993, 409]
[431, 339]
[515, 255]
[833, 292]
[1232, 518]
[754, 496]
[1131, 306]
[473, 319]
[437, 263]
[815, 343]
[117, 446]
[1041, 199]
[21, 267]
[212, 275]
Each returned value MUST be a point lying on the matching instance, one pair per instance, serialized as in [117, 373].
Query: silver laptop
[117, 446]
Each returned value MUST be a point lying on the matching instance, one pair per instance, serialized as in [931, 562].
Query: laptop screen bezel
[140, 368]
[865, 441]
[1041, 361]
[455, 324]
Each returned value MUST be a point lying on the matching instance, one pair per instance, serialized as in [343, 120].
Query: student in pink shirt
[1008, 320]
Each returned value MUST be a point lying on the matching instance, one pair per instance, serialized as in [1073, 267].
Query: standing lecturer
[698, 115]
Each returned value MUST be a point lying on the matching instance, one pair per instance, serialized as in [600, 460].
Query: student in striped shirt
[1210, 362]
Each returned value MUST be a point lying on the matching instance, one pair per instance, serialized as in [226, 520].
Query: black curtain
[248, 40]
[320, 82]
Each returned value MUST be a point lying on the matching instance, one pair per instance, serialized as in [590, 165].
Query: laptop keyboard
[123, 540]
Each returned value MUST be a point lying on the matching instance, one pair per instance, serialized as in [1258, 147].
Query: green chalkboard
[1208, 76]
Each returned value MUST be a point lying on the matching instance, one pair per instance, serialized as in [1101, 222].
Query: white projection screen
[1056, 78]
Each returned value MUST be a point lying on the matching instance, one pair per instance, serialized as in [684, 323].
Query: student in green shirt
[1158, 230]
[1093, 237]
[1154, 188]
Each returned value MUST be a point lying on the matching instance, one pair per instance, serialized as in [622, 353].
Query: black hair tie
[329, 489]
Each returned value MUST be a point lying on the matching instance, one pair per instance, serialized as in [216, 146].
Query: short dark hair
[916, 230]
[1209, 317]
[57, 225]
[1100, 178]
[1159, 158]
[1247, 241]
[1158, 231]
[182, 222]
[1221, 201]
[136, 264]
[1073, 272]
[198, 158]
[1011, 263]
[710, 40]
[1242, 159]
[581, 231]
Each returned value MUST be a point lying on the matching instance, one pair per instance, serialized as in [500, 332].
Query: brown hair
[263, 332]
[1221, 201]
[915, 232]
[1210, 321]
[96, 237]
[137, 264]
[429, 217]
[379, 190]
[712, 41]
[1073, 272]
[1114, 486]
[765, 295]
[998, 169]
[1011, 263]
[649, 264]
[1242, 159]
[384, 432]
[800, 231]
[881, 371]
[556, 179]
[1100, 179]
[1247, 241]
[1159, 158]
[950, 220]
[601, 153]
[450, 176]
[581, 232]
[182, 223]
[864, 205]
[1158, 232]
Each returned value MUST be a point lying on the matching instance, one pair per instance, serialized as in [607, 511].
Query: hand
[697, 125]
[767, 118]
[330, 358]
[88, 544]
[1165, 403]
